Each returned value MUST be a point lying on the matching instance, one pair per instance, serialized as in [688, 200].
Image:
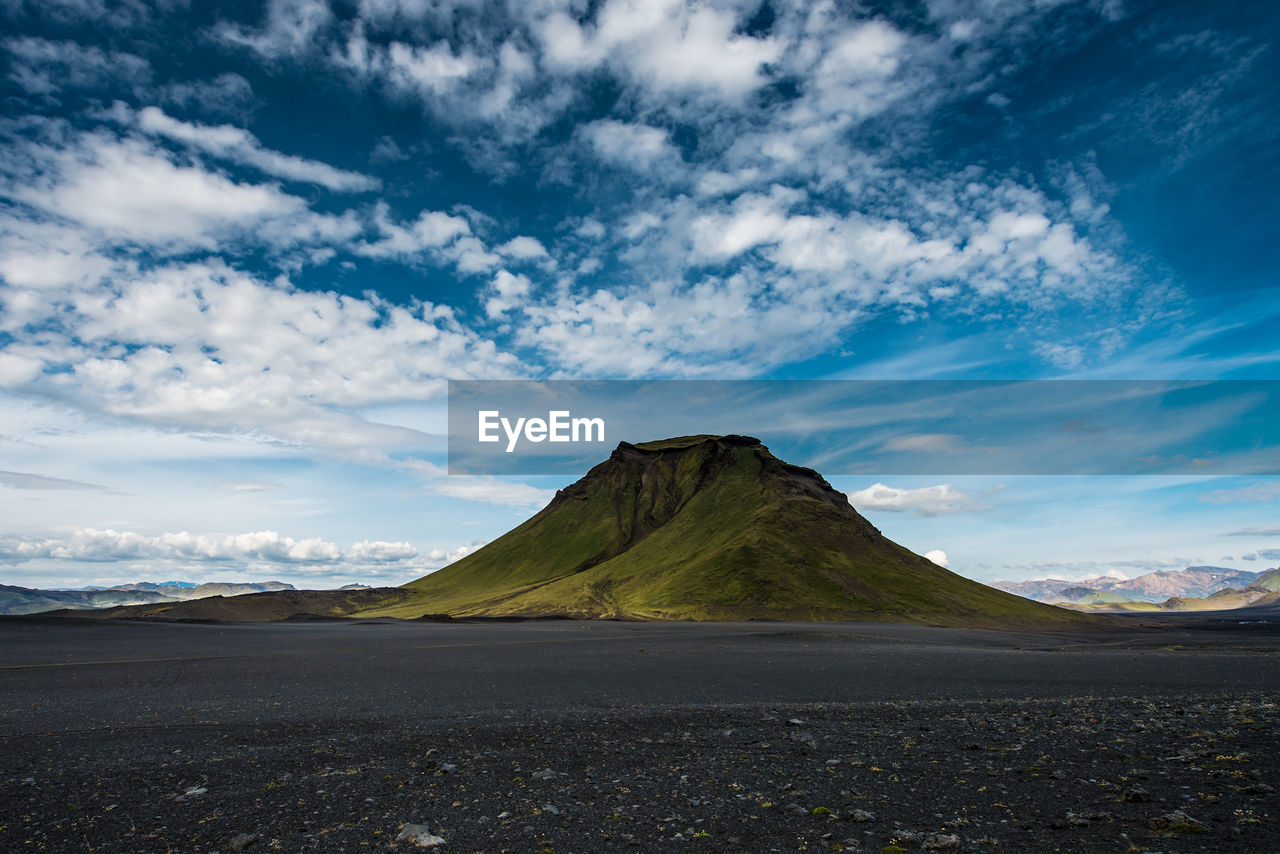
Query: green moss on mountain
[709, 528]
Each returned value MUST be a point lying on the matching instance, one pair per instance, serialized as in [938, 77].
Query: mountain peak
[682, 442]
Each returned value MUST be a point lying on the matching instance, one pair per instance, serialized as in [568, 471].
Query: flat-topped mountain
[709, 528]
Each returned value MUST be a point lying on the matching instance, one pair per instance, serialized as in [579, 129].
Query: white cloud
[431, 230]
[508, 291]
[381, 552]
[433, 69]
[226, 94]
[937, 500]
[17, 370]
[856, 75]
[491, 491]
[408, 69]
[724, 327]
[25, 480]
[240, 146]
[290, 29]
[663, 45]
[1068, 357]
[1001, 243]
[99, 14]
[43, 67]
[634, 146]
[214, 553]
[1257, 492]
[486, 81]
[1051, 570]
[752, 221]
[132, 192]
[202, 347]
[487, 490]
[90, 544]
[714, 182]
[444, 557]
[1256, 531]
[433, 234]
[925, 443]
[591, 229]
[413, 10]
[248, 486]
[939, 557]
[523, 248]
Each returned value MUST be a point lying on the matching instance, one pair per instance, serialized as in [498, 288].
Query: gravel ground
[1084, 774]
[1159, 771]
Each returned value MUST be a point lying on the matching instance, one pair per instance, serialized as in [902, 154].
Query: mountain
[1047, 589]
[1087, 596]
[1269, 581]
[709, 528]
[1193, 582]
[26, 600]
[138, 585]
[1263, 591]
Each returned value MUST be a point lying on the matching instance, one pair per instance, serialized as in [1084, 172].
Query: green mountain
[1085, 596]
[709, 528]
[1268, 581]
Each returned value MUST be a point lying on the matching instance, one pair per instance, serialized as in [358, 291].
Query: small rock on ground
[419, 835]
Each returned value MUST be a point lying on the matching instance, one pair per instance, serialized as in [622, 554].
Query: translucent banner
[935, 427]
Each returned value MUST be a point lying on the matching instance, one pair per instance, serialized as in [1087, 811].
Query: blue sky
[243, 246]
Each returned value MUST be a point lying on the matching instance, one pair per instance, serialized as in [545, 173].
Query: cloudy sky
[243, 245]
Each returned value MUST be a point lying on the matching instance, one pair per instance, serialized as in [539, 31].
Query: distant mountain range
[1194, 588]
[137, 585]
[26, 600]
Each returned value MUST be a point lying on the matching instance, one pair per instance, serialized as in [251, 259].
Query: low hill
[266, 607]
[1229, 599]
[709, 528]
[1085, 596]
[26, 600]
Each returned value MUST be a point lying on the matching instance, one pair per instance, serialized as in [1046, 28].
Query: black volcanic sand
[330, 736]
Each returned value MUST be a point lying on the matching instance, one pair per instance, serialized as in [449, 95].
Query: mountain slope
[709, 527]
